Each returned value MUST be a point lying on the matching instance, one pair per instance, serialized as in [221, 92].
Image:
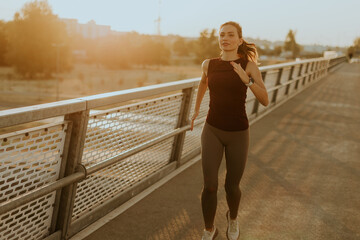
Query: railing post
[311, 78]
[317, 73]
[273, 100]
[182, 121]
[61, 175]
[256, 103]
[327, 67]
[79, 126]
[298, 76]
[316, 70]
[305, 73]
[289, 79]
[322, 67]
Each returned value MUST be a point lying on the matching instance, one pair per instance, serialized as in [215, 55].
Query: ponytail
[249, 51]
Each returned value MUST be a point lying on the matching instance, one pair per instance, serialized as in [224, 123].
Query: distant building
[314, 48]
[116, 33]
[88, 30]
[330, 54]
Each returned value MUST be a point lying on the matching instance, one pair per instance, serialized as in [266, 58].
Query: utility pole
[158, 21]
[57, 46]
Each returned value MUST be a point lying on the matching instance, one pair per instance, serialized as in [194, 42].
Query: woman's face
[229, 38]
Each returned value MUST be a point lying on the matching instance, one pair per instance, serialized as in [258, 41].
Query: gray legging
[213, 142]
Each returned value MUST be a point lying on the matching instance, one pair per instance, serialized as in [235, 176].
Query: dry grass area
[85, 80]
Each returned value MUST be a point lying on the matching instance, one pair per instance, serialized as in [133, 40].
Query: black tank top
[227, 96]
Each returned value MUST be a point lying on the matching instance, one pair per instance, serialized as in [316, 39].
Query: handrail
[22, 115]
[42, 111]
[43, 190]
[15, 116]
[288, 64]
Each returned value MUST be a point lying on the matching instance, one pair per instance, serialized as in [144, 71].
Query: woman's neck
[229, 56]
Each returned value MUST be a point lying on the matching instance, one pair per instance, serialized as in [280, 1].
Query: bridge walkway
[301, 181]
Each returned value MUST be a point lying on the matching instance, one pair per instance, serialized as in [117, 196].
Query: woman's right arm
[201, 91]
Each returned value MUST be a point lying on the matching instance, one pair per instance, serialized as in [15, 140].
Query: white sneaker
[210, 235]
[233, 230]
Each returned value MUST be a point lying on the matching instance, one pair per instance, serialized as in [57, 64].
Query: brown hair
[245, 49]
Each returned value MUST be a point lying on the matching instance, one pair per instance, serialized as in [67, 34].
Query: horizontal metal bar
[118, 199]
[199, 121]
[54, 236]
[131, 152]
[281, 85]
[135, 93]
[103, 112]
[289, 64]
[48, 188]
[22, 115]
[274, 88]
[190, 155]
[24, 131]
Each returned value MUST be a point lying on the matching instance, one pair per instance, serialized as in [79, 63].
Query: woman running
[226, 126]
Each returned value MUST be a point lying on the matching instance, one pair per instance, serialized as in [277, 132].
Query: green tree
[38, 41]
[206, 46]
[3, 43]
[291, 45]
[180, 47]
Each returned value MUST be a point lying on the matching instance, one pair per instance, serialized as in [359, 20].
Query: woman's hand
[258, 88]
[196, 113]
[241, 72]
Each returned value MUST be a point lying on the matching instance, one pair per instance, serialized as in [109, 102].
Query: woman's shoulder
[205, 64]
[207, 61]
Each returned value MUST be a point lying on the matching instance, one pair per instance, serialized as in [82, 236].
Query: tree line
[36, 43]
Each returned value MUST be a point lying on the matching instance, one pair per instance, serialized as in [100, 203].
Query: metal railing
[64, 165]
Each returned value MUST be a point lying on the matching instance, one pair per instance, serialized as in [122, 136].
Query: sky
[324, 22]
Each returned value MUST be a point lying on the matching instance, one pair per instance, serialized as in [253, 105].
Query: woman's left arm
[258, 87]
